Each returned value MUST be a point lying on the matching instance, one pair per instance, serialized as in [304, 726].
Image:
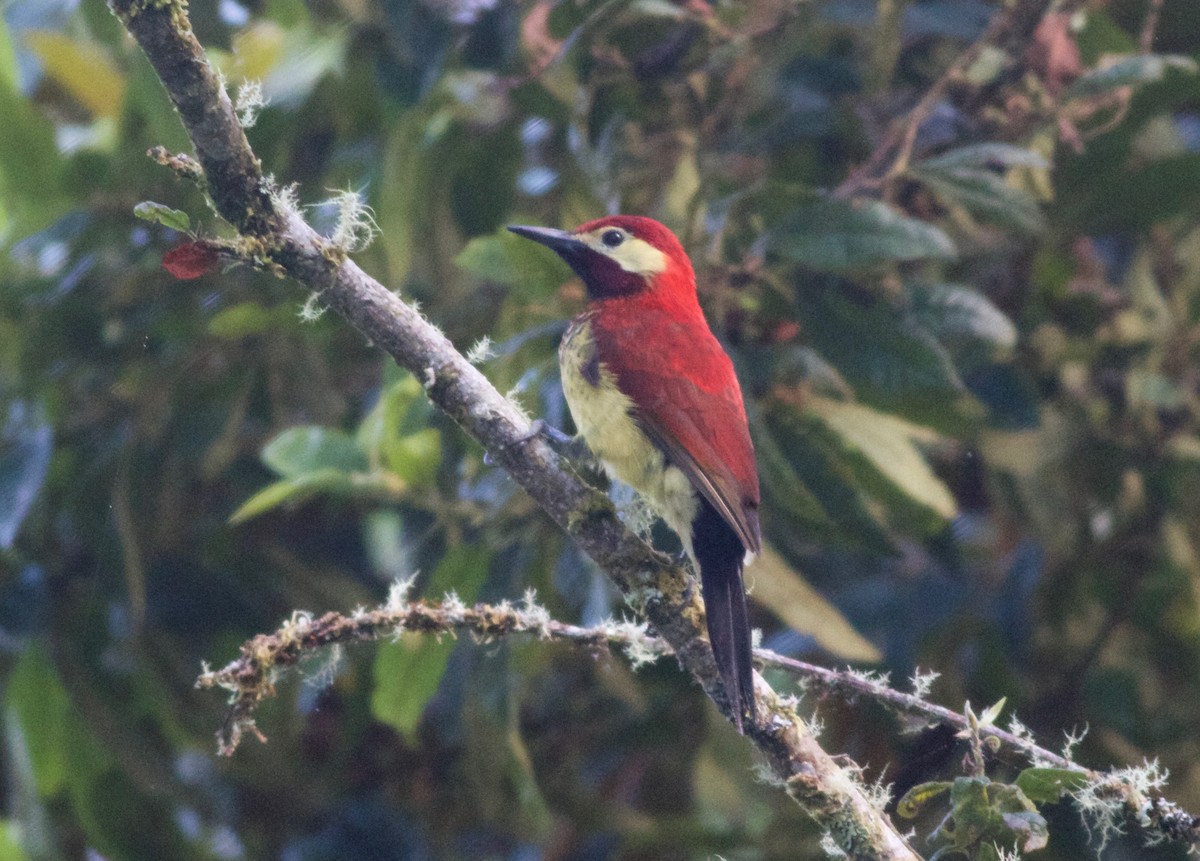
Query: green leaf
[10, 848]
[462, 571]
[985, 155]
[1127, 72]
[404, 212]
[289, 13]
[972, 810]
[782, 590]
[803, 453]
[159, 213]
[147, 104]
[393, 437]
[8, 57]
[414, 457]
[961, 316]
[247, 318]
[1101, 35]
[83, 69]
[910, 805]
[888, 444]
[984, 194]
[983, 812]
[294, 490]
[1138, 196]
[113, 811]
[884, 353]
[836, 236]
[383, 423]
[408, 672]
[1048, 785]
[302, 450]
[256, 50]
[789, 495]
[37, 696]
[31, 167]
[503, 257]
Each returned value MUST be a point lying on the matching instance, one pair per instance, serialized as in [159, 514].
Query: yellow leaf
[83, 69]
[684, 185]
[780, 588]
[888, 442]
[1182, 447]
[257, 49]
[8, 58]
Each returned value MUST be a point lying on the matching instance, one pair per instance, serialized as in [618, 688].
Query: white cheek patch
[633, 255]
[640, 257]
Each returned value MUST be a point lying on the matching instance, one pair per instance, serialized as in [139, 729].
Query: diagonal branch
[276, 237]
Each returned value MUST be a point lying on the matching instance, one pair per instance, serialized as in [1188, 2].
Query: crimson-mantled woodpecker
[655, 398]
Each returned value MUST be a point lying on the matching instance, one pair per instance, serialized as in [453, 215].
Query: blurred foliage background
[972, 370]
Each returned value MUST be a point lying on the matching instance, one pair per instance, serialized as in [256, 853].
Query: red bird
[655, 398]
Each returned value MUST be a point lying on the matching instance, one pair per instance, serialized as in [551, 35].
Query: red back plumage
[682, 383]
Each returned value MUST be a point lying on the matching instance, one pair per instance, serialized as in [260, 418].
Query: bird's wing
[687, 399]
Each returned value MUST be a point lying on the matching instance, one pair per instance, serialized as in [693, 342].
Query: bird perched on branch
[655, 398]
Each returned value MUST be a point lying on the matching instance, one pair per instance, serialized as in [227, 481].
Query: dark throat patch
[591, 368]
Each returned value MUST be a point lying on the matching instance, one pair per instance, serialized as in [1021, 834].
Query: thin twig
[1150, 26]
[250, 679]
[895, 150]
[1012, 25]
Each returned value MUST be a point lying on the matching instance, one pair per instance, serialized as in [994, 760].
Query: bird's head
[620, 255]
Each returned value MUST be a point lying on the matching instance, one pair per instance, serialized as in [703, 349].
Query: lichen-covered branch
[1112, 798]
[276, 237]
[250, 678]
[1160, 818]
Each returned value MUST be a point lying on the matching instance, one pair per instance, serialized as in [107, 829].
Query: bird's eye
[612, 238]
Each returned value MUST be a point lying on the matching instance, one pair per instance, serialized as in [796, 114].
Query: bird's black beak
[568, 245]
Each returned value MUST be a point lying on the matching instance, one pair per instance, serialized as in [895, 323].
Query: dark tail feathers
[719, 554]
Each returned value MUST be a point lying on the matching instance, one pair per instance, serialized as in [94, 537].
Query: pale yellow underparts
[602, 414]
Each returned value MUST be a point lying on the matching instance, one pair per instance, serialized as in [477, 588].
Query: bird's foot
[553, 434]
[563, 443]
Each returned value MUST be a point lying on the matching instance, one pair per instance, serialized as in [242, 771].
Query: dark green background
[976, 407]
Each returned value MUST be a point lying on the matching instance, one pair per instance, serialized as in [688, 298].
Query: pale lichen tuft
[481, 351]
[1108, 803]
[312, 310]
[534, 616]
[249, 102]
[398, 593]
[355, 228]
[829, 846]
[922, 682]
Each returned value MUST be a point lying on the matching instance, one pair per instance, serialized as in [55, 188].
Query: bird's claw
[561, 442]
[553, 434]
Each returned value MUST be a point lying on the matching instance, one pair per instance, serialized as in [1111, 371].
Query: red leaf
[191, 260]
[1054, 52]
[535, 33]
